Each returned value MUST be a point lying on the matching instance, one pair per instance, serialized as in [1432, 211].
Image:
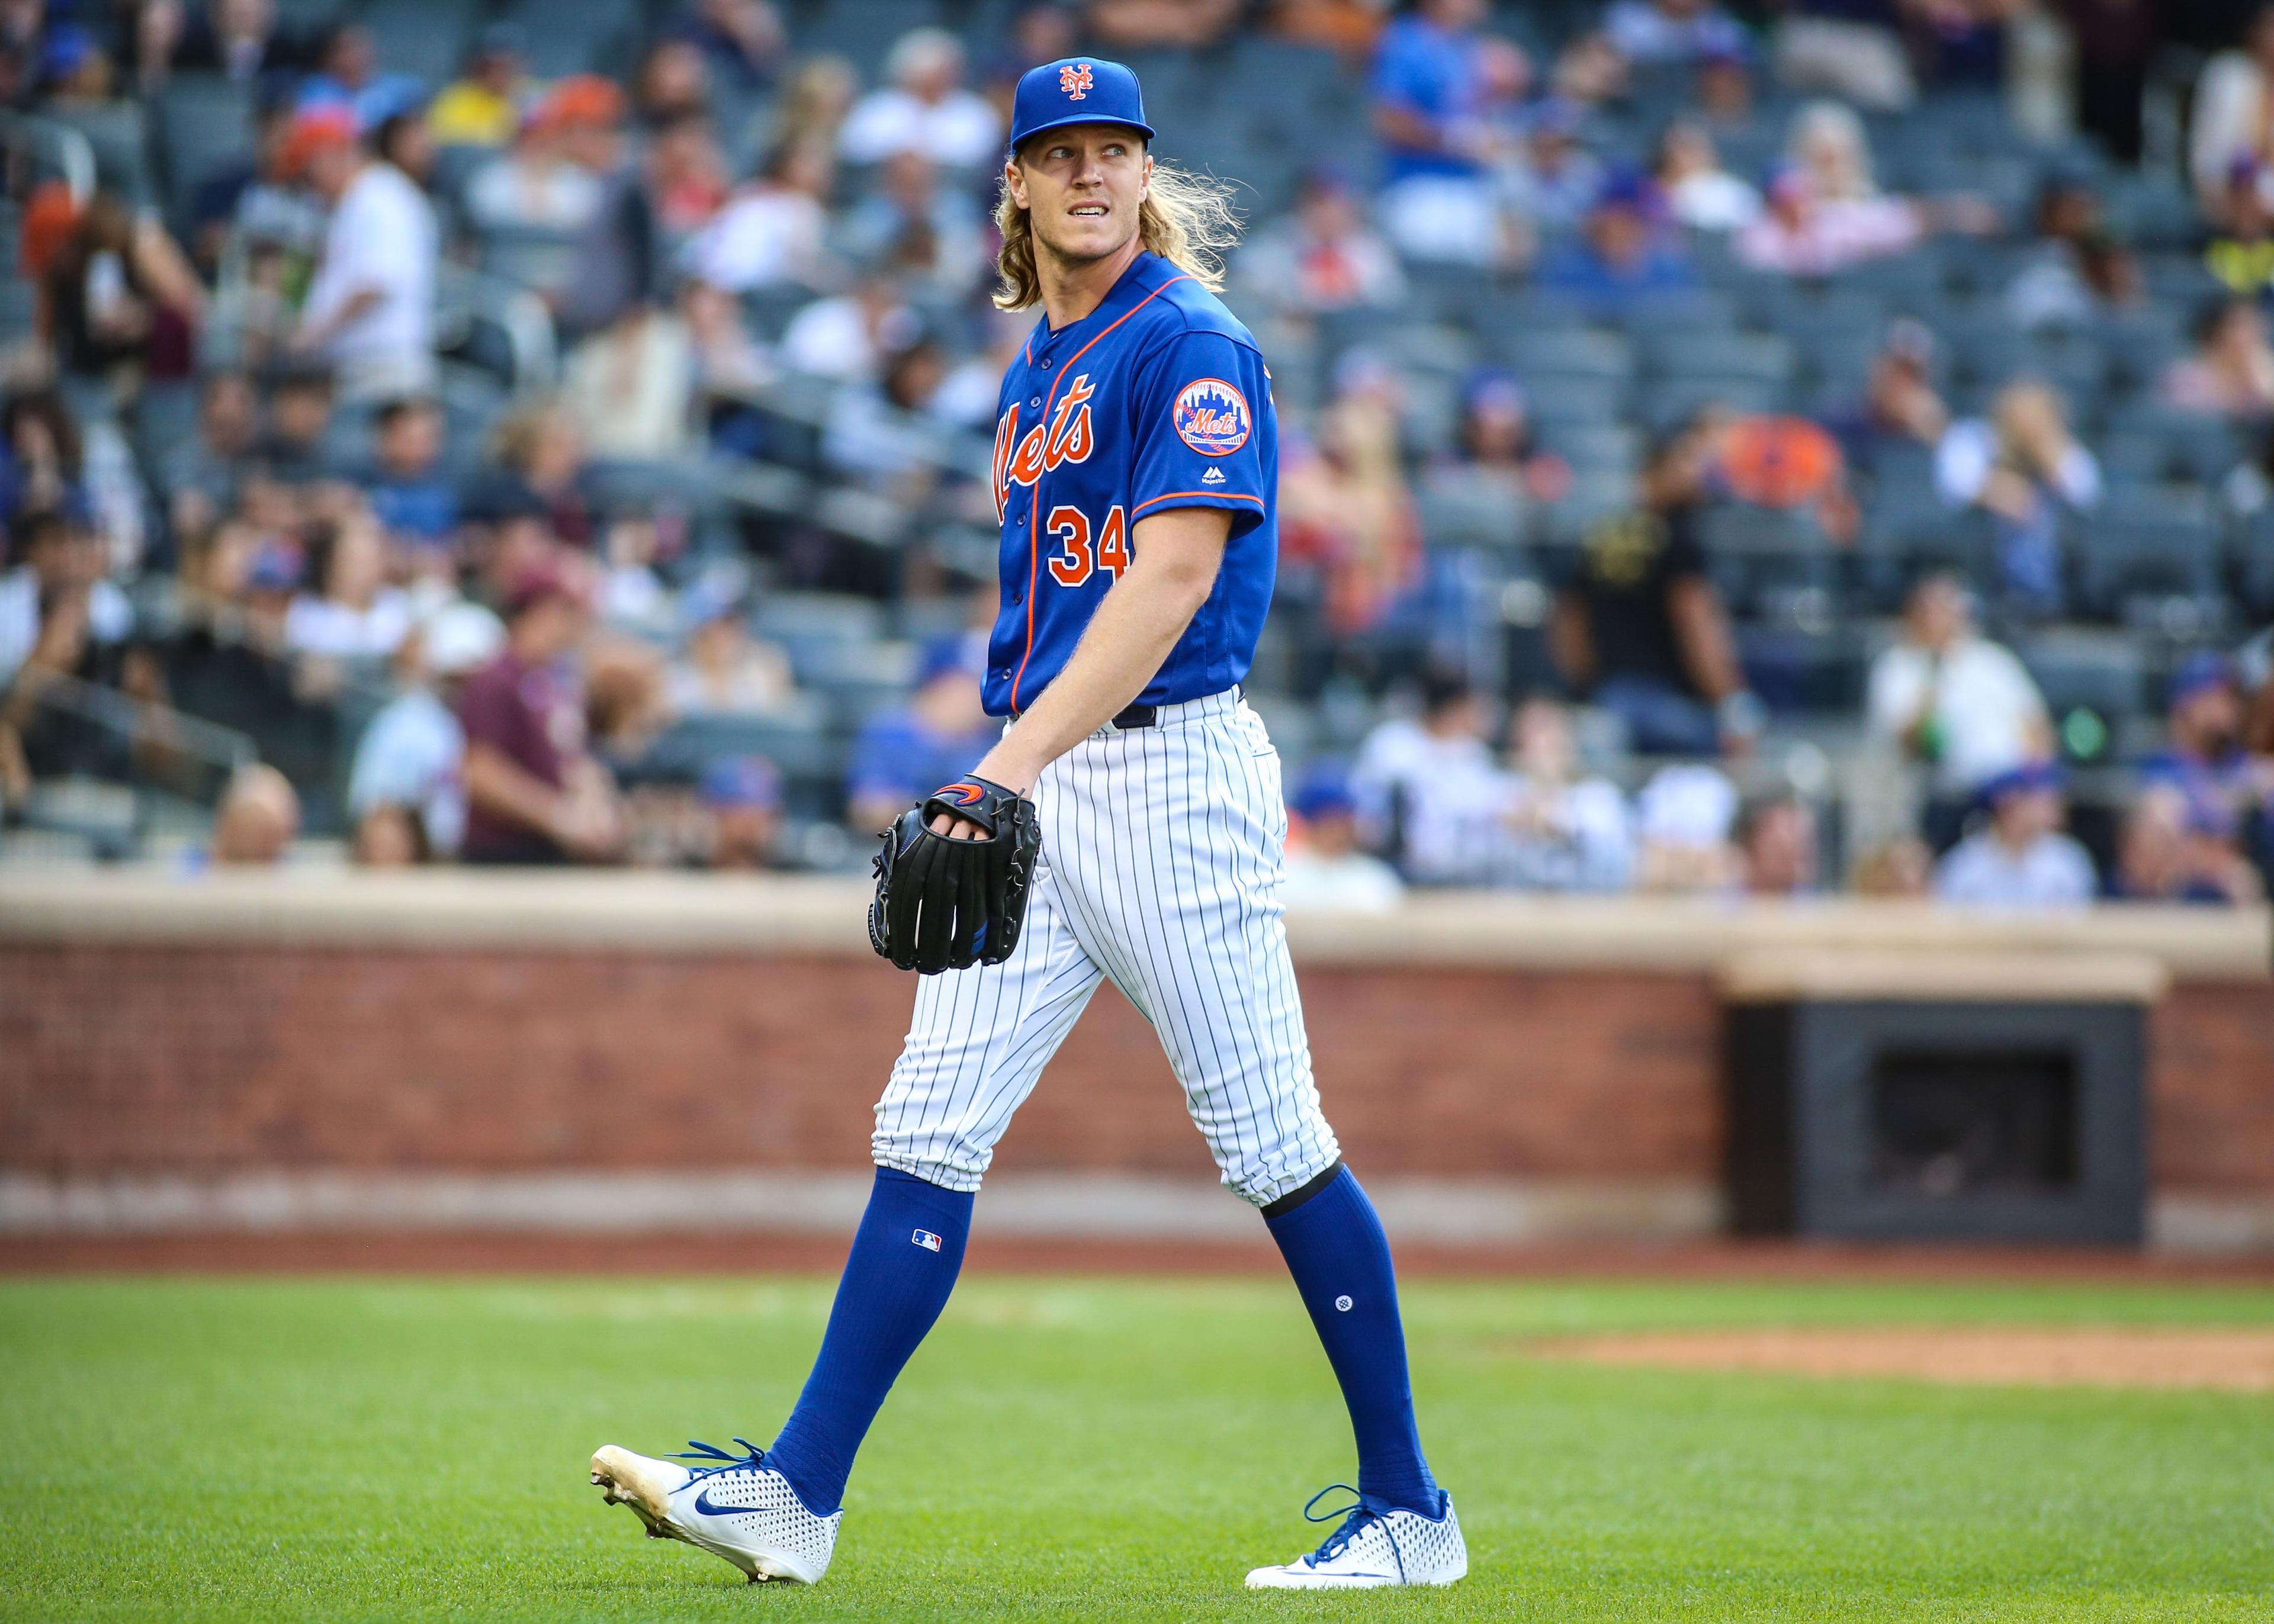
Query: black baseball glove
[945, 904]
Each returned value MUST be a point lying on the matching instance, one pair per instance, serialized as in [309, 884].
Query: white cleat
[1375, 1545]
[740, 1508]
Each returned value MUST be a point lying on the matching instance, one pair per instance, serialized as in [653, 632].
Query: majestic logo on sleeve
[1067, 438]
[1212, 417]
[1075, 81]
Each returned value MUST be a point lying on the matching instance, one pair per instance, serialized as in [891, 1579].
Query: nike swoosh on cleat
[702, 1504]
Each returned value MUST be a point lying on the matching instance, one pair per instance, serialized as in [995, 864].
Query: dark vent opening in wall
[1955, 1124]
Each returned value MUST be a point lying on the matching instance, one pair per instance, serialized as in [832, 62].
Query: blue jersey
[1156, 399]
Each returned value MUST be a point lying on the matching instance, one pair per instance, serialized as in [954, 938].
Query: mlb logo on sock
[926, 1239]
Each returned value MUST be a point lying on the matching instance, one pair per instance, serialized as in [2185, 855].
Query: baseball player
[1136, 478]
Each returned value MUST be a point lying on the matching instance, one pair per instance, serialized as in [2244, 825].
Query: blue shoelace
[752, 1458]
[1354, 1517]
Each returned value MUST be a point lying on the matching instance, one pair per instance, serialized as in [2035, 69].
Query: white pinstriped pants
[1162, 853]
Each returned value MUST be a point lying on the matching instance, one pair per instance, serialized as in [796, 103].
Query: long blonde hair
[1187, 219]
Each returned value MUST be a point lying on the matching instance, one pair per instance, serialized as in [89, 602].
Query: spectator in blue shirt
[1428, 88]
[407, 489]
[1625, 257]
[911, 750]
[1440, 94]
[2204, 760]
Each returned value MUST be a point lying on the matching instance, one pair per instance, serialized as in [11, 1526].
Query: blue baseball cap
[958, 654]
[741, 781]
[1076, 90]
[2205, 669]
[2029, 778]
[1324, 791]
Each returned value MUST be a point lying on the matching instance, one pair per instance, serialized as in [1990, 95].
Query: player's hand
[995, 771]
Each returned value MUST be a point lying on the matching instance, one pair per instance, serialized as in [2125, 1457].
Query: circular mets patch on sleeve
[1212, 417]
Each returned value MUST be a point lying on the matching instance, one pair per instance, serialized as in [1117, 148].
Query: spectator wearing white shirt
[890, 435]
[2020, 857]
[1566, 831]
[353, 614]
[2233, 97]
[934, 233]
[553, 177]
[1951, 699]
[1804, 233]
[773, 232]
[370, 309]
[925, 108]
[2023, 467]
[1649, 32]
[1325, 867]
[1699, 192]
[1684, 819]
[1429, 795]
[847, 337]
[1323, 257]
[61, 559]
[726, 670]
[411, 761]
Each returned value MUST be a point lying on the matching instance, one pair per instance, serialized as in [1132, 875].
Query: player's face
[1082, 187]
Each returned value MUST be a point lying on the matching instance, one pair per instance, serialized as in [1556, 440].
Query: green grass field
[1091, 1448]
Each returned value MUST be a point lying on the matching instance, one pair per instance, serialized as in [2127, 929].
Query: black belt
[1129, 716]
[1134, 716]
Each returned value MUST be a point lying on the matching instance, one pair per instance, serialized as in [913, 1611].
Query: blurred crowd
[583, 456]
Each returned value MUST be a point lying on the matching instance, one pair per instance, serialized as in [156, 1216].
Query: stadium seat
[2151, 209]
[1571, 352]
[1908, 284]
[1699, 312]
[1461, 507]
[863, 33]
[1593, 497]
[20, 305]
[204, 128]
[2159, 543]
[1574, 400]
[833, 616]
[534, 257]
[1453, 293]
[2195, 447]
[425, 38]
[120, 133]
[1670, 402]
[2098, 672]
[1756, 554]
[573, 36]
[1594, 447]
[1756, 357]
[2178, 278]
[2140, 344]
[1901, 475]
[801, 743]
[2254, 563]
[1505, 313]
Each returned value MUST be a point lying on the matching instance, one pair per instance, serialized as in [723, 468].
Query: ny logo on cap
[1075, 81]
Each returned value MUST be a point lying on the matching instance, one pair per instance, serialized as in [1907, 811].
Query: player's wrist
[1008, 770]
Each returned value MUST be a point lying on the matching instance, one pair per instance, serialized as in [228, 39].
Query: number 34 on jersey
[1084, 545]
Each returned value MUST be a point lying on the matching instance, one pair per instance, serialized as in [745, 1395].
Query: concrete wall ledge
[593, 1203]
[550, 911]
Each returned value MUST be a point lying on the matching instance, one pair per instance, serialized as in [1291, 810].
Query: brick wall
[155, 1058]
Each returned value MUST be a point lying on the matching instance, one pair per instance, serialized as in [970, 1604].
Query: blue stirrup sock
[905, 1258]
[1335, 1247]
